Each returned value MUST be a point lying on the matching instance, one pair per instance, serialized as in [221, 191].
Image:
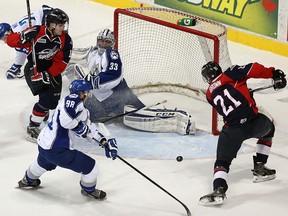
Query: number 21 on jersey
[219, 99]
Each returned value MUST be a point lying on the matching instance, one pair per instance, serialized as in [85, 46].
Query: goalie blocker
[160, 120]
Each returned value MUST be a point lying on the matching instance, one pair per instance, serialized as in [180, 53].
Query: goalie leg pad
[160, 120]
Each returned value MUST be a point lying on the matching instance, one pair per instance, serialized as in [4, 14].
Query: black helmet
[210, 71]
[57, 16]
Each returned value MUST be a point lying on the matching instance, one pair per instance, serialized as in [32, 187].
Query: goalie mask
[105, 40]
[210, 71]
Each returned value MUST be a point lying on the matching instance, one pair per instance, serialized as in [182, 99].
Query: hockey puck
[179, 158]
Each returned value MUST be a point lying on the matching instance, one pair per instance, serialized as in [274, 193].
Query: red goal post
[160, 55]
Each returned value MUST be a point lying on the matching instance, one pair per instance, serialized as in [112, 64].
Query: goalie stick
[105, 130]
[133, 111]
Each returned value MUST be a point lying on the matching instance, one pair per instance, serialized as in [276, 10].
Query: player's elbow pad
[81, 130]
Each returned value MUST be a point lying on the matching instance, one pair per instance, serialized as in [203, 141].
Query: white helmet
[106, 35]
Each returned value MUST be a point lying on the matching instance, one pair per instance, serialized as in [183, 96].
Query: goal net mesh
[160, 55]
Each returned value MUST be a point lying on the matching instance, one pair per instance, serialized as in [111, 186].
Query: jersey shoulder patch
[114, 54]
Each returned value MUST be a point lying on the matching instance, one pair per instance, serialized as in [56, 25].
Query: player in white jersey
[55, 143]
[111, 94]
[37, 18]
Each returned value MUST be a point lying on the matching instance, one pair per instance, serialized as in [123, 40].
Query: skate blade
[29, 187]
[207, 201]
[31, 139]
[20, 76]
[258, 179]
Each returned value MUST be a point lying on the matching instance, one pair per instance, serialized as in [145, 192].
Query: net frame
[204, 34]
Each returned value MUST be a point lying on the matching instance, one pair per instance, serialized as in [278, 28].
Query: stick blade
[103, 129]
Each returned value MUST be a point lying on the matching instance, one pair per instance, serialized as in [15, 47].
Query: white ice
[153, 154]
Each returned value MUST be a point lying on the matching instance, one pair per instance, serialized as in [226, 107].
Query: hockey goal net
[158, 54]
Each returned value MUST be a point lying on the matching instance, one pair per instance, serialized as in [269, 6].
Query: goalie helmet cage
[158, 55]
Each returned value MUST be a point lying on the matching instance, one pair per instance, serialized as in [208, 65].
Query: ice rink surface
[155, 155]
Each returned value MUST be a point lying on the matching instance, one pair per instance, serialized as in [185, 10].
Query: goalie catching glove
[92, 79]
[279, 80]
[160, 120]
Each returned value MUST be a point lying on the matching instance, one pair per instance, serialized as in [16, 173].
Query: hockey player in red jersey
[50, 46]
[38, 17]
[229, 95]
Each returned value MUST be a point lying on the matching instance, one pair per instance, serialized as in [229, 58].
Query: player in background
[37, 18]
[52, 49]
[229, 95]
[111, 94]
[55, 143]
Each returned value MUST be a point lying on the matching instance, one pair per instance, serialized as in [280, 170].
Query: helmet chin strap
[51, 29]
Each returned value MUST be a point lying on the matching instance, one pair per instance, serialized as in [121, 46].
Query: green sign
[259, 16]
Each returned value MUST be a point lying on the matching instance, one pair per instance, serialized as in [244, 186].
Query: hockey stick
[133, 111]
[261, 88]
[149, 179]
[105, 130]
[32, 41]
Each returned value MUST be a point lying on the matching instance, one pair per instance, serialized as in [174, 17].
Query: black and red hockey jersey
[229, 94]
[52, 53]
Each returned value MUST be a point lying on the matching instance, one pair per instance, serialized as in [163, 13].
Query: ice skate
[32, 133]
[96, 194]
[215, 198]
[46, 118]
[261, 172]
[14, 71]
[25, 184]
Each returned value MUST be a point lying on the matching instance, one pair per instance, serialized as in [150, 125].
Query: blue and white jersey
[67, 115]
[38, 17]
[108, 67]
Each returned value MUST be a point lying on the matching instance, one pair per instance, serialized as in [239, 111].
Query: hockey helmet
[57, 16]
[4, 29]
[210, 71]
[78, 86]
[106, 35]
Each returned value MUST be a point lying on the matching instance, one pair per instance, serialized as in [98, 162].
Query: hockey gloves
[81, 130]
[28, 34]
[279, 80]
[92, 80]
[111, 148]
[41, 76]
[96, 135]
